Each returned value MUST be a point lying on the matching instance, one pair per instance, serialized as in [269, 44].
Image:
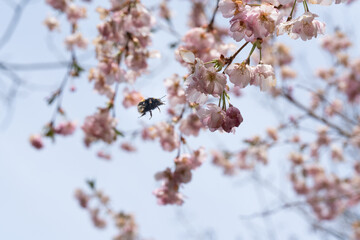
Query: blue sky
[37, 186]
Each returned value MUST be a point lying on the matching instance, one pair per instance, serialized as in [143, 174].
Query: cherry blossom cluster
[206, 45]
[327, 194]
[125, 223]
[100, 126]
[73, 14]
[122, 52]
[64, 128]
[206, 79]
[166, 134]
[251, 22]
[169, 193]
[242, 74]
[256, 151]
[124, 35]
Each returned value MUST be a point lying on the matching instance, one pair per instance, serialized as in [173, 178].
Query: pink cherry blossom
[221, 159]
[198, 157]
[36, 141]
[240, 74]
[243, 161]
[58, 4]
[191, 161]
[212, 116]
[325, 73]
[51, 23]
[76, 39]
[111, 72]
[137, 61]
[166, 133]
[131, 98]
[104, 155]
[99, 126]
[96, 219]
[191, 125]
[65, 128]
[100, 85]
[264, 77]
[82, 197]
[336, 42]
[232, 119]
[321, 2]
[296, 158]
[128, 147]
[272, 133]
[182, 173]
[287, 73]
[149, 133]
[305, 27]
[74, 13]
[336, 153]
[262, 20]
[168, 193]
[335, 107]
[204, 81]
[256, 153]
[205, 45]
[251, 23]
[175, 92]
[229, 8]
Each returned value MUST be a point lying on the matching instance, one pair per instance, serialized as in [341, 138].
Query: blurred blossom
[36, 141]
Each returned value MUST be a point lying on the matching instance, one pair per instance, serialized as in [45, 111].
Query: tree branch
[13, 23]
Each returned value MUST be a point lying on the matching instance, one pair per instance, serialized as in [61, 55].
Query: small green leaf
[91, 184]
[77, 69]
[118, 132]
[49, 132]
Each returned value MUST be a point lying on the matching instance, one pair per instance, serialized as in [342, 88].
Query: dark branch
[211, 23]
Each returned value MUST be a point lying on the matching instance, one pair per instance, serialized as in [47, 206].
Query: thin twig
[313, 115]
[231, 59]
[36, 66]
[212, 20]
[60, 94]
[11, 27]
[322, 97]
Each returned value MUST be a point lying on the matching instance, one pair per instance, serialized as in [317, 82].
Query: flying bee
[149, 104]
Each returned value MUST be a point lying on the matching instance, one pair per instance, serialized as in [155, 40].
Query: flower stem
[306, 7]
[211, 23]
[292, 11]
[224, 102]
[251, 52]
[231, 59]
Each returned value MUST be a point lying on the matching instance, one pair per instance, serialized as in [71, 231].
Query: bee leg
[159, 109]
[150, 115]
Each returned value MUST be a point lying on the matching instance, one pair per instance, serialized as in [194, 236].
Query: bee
[149, 104]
